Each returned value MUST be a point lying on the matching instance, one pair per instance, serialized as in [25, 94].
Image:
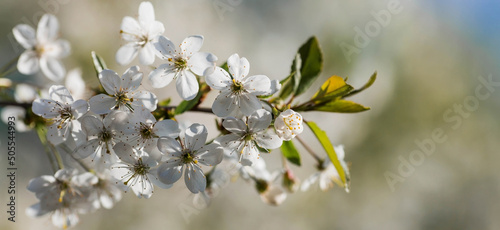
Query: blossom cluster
[121, 138]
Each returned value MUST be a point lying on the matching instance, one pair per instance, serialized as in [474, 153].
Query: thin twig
[309, 150]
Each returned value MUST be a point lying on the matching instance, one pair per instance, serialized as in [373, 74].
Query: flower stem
[309, 150]
[43, 139]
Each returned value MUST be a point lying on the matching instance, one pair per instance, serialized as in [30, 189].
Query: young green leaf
[366, 86]
[327, 145]
[290, 152]
[312, 64]
[291, 83]
[341, 106]
[99, 63]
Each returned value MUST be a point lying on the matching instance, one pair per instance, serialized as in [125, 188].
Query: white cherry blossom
[122, 93]
[327, 174]
[62, 109]
[184, 62]
[288, 124]
[135, 171]
[186, 156]
[247, 134]
[238, 91]
[139, 35]
[43, 48]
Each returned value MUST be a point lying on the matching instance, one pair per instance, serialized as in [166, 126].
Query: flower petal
[259, 120]
[52, 68]
[202, 64]
[58, 135]
[48, 28]
[195, 179]
[102, 103]
[45, 108]
[165, 47]
[79, 108]
[25, 35]
[249, 103]
[224, 104]
[146, 13]
[167, 128]
[219, 79]
[110, 81]
[196, 136]
[257, 84]
[126, 54]
[169, 174]
[211, 154]
[268, 141]
[144, 100]
[187, 85]
[170, 147]
[28, 63]
[91, 125]
[131, 79]
[191, 45]
[234, 125]
[130, 29]
[238, 67]
[147, 54]
[162, 76]
[60, 94]
[125, 153]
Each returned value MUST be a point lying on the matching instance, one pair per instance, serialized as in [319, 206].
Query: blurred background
[429, 57]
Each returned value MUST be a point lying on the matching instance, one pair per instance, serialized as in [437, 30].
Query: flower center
[179, 63]
[187, 157]
[66, 115]
[237, 87]
[146, 131]
[140, 168]
[122, 99]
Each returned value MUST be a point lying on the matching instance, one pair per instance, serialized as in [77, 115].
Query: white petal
[102, 103]
[40, 184]
[126, 54]
[191, 45]
[91, 125]
[249, 154]
[170, 147]
[75, 84]
[156, 28]
[153, 177]
[144, 100]
[169, 174]
[63, 219]
[60, 94]
[45, 108]
[130, 29]
[25, 35]
[249, 103]
[165, 47]
[167, 128]
[224, 104]
[195, 136]
[234, 125]
[162, 76]
[110, 81]
[36, 210]
[131, 79]
[195, 179]
[57, 136]
[147, 54]
[125, 153]
[52, 68]
[28, 63]
[259, 120]
[211, 154]
[257, 84]
[229, 141]
[146, 13]
[274, 195]
[187, 85]
[85, 179]
[219, 79]
[238, 67]
[79, 108]
[202, 64]
[48, 28]
[268, 141]
[57, 49]
[308, 182]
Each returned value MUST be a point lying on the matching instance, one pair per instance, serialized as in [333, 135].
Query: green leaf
[99, 63]
[327, 145]
[341, 106]
[291, 83]
[312, 64]
[290, 152]
[366, 86]
[224, 66]
[187, 105]
[330, 85]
